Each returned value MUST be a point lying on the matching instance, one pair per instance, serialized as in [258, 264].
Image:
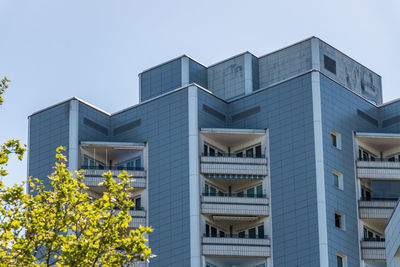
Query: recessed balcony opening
[111, 156]
[95, 158]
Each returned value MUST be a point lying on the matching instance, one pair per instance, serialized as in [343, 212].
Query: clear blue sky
[94, 49]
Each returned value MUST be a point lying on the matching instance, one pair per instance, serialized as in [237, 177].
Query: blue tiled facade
[284, 106]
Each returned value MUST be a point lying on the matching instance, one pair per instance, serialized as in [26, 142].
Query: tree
[64, 226]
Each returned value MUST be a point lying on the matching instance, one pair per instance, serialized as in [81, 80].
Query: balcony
[376, 209]
[230, 166]
[378, 169]
[372, 249]
[236, 246]
[138, 217]
[254, 205]
[93, 176]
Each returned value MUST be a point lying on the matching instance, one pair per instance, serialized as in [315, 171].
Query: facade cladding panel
[284, 63]
[197, 74]
[350, 73]
[160, 80]
[390, 116]
[226, 79]
[286, 110]
[209, 119]
[94, 125]
[339, 113]
[49, 129]
[165, 129]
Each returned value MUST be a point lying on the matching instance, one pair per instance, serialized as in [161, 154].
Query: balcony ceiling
[231, 137]
[239, 262]
[379, 141]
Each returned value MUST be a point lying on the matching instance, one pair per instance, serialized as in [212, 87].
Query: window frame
[342, 224]
[338, 139]
[339, 176]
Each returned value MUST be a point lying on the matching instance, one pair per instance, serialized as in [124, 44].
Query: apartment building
[287, 159]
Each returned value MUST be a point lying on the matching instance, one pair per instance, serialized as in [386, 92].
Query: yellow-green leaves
[3, 87]
[63, 226]
[11, 146]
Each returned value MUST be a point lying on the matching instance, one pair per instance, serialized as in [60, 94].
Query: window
[252, 233]
[330, 64]
[138, 203]
[337, 180]
[336, 139]
[339, 220]
[210, 190]
[256, 191]
[212, 151]
[250, 152]
[341, 260]
[260, 231]
[365, 155]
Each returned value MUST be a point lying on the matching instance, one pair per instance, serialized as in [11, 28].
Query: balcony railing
[232, 155]
[235, 205]
[93, 175]
[378, 169]
[219, 194]
[234, 167]
[110, 168]
[373, 250]
[236, 236]
[236, 246]
[376, 209]
[138, 217]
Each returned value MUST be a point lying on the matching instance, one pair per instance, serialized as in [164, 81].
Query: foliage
[63, 225]
[3, 86]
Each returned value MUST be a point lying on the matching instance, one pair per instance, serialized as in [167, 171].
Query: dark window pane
[249, 153]
[221, 234]
[259, 191]
[330, 64]
[242, 234]
[213, 231]
[212, 151]
[213, 191]
[258, 151]
[250, 192]
[207, 230]
[338, 220]
[239, 155]
[205, 150]
[261, 231]
[334, 141]
[252, 233]
[339, 261]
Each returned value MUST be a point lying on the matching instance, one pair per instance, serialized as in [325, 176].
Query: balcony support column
[73, 142]
[194, 183]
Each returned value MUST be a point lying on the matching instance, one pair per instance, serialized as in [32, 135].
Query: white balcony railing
[234, 165]
[376, 209]
[225, 205]
[138, 218]
[241, 247]
[373, 250]
[378, 170]
[93, 177]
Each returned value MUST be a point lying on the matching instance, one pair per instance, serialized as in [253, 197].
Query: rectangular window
[213, 191]
[339, 261]
[249, 153]
[207, 230]
[258, 152]
[259, 191]
[212, 152]
[330, 64]
[260, 231]
[339, 220]
[337, 180]
[336, 139]
[213, 232]
[242, 234]
[221, 234]
[250, 192]
[252, 233]
[138, 203]
[239, 155]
